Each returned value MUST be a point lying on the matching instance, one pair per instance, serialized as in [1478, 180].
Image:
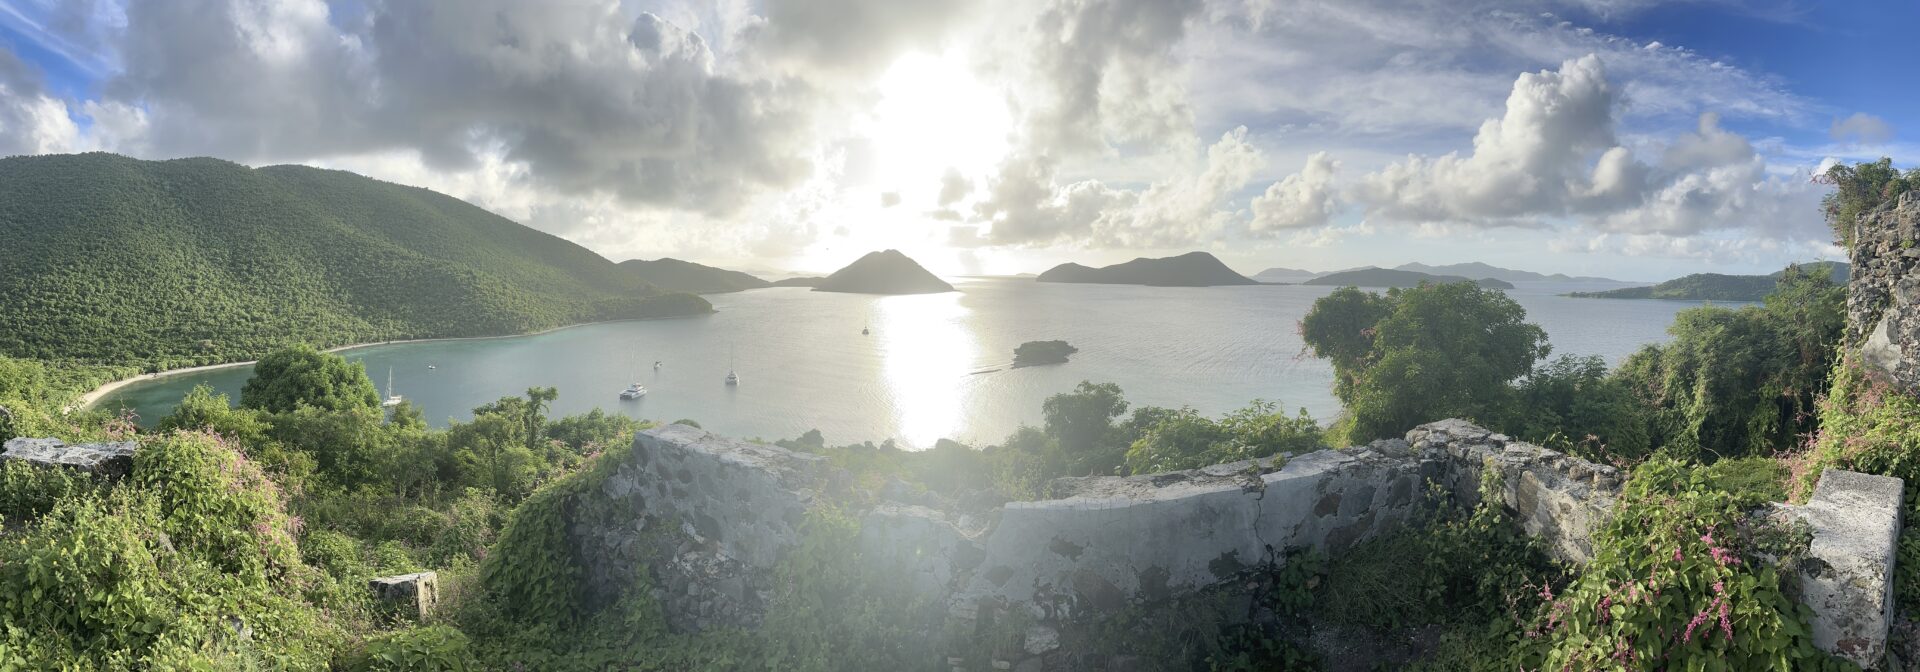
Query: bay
[933, 366]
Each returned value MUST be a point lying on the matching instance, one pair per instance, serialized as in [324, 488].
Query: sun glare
[934, 115]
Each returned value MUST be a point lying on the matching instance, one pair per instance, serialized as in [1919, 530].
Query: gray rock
[413, 595]
[111, 460]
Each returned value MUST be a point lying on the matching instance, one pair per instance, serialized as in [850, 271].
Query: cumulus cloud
[1301, 200]
[1535, 163]
[590, 99]
[850, 36]
[1103, 72]
[1531, 161]
[1861, 128]
[31, 122]
[1025, 207]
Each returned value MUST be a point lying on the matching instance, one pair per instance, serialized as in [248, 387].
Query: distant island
[1461, 271]
[884, 272]
[1286, 275]
[1035, 353]
[1716, 286]
[674, 275]
[1480, 270]
[1386, 277]
[1193, 269]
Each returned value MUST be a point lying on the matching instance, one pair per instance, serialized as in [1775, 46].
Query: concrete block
[111, 460]
[1848, 577]
[413, 595]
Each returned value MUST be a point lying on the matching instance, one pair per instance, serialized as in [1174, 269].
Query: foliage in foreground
[1677, 579]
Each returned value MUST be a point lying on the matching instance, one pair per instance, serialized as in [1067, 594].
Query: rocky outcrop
[1883, 296]
[111, 460]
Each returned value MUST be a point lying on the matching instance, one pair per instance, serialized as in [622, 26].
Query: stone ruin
[710, 516]
[111, 460]
[1883, 294]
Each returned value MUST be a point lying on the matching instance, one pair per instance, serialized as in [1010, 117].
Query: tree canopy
[300, 375]
[1421, 354]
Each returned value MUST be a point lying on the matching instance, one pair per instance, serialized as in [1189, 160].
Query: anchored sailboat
[393, 398]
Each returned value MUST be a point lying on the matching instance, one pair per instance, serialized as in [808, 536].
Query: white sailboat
[393, 398]
[732, 378]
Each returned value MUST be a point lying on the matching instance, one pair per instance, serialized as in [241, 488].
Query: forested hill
[112, 260]
[675, 275]
[1718, 287]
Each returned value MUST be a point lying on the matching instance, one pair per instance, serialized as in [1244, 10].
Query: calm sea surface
[934, 366]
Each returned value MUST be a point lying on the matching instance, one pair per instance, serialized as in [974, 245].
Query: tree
[1082, 422]
[1421, 354]
[1572, 405]
[1859, 189]
[1742, 382]
[303, 376]
[538, 400]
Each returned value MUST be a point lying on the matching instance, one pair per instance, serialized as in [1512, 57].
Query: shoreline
[92, 397]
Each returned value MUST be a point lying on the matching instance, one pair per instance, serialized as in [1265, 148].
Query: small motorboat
[634, 391]
[431, 367]
[656, 365]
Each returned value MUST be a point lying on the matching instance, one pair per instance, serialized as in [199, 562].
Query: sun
[935, 115]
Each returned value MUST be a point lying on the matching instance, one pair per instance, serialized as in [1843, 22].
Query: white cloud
[1861, 128]
[1301, 200]
[1530, 162]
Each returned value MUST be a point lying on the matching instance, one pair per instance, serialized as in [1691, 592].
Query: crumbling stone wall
[1883, 294]
[711, 517]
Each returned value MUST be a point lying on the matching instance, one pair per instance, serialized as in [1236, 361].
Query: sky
[1635, 139]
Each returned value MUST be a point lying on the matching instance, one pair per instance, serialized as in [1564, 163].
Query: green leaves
[1423, 354]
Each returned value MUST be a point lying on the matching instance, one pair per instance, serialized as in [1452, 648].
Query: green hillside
[112, 260]
[1716, 286]
[674, 275]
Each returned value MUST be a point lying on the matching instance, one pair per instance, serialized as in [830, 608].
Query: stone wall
[1883, 295]
[711, 517]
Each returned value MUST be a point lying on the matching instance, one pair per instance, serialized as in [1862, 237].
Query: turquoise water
[933, 367]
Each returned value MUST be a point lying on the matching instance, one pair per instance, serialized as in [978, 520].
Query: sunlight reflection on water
[926, 350]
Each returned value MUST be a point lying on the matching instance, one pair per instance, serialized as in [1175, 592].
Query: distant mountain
[1716, 286]
[1480, 270]
[160, 264]
[1387, 277]
[803, 281]
[1193, 269]
[885, 272]
[1278, 274]
[674, 275]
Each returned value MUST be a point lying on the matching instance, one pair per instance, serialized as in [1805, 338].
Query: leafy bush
[1458, 565]
[1859, 189]
[1187, 440]
[1573, 406]
[217, 505]
[1742, 382]
[28, 491]
[1676, 582]
[432, 648]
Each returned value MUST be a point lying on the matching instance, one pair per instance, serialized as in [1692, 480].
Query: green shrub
[1187, 440]
[336, 554]
[28, 491]
[432, 648]
[217, 505]
[1676, 582]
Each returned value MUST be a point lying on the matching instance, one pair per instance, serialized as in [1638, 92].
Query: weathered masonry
[1106, 542]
